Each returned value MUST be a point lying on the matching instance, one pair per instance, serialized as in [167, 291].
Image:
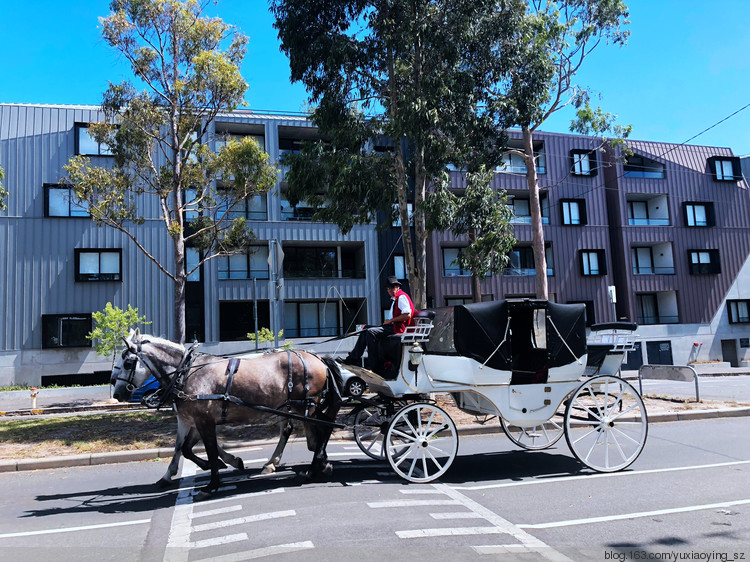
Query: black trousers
[369, 339]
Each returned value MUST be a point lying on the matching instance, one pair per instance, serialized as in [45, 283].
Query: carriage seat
[530, 367]
[428, 314]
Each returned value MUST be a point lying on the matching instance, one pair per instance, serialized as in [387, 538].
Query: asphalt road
[689, 492]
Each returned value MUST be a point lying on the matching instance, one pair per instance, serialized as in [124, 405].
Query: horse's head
[143, 357]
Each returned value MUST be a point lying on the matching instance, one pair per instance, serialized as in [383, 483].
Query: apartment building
[666, 231]
[57, 267]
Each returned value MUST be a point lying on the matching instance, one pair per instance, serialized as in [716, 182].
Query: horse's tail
[335, 377]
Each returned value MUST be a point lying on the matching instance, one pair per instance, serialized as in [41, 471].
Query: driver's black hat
[392, 282]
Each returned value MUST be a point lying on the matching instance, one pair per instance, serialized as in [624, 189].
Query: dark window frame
[736, 168]
[709, 211]
[62, 187]
[296, 332]
[583, 217]
[593, 162]
[77, 127]
[95, 278]
[637, 166]
[733, 312]
[601, 258]
[713, 267]
[59, 335]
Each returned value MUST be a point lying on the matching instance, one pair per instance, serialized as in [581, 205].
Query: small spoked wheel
[370, 425]
[537, 437]
[421, 442]
[606, 424]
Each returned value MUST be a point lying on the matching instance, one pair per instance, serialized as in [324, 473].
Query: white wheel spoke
[591, 450]
[596, 402]
[592, 430]
[619, 449]
[589, 411]
[443, 426]
[412, 437]
[413, 464]
[626, 436]
[630, 409]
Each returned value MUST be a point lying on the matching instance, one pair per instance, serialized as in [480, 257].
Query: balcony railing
[668, 270]
[648, 222]
[658, 320]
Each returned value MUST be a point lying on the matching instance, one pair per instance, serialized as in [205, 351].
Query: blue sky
[685, 68]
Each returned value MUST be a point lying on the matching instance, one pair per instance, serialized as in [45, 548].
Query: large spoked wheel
[606, 424]
[421, 442]
[370, 425]
[537, 437]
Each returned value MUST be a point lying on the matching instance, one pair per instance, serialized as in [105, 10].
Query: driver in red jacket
[401, 313]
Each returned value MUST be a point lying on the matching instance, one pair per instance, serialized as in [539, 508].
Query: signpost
[275, 262]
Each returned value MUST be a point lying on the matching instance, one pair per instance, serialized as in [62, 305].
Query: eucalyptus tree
[551, 43]
[482, 214]
[3, 191]
[399, 90]
[187, 66]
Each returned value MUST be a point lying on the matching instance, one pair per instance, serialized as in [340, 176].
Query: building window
[641, 167]
[725, 168]
[253, 208]
[593, 263]
[451, 268]
[699, 214]
[522, 209]
[648, 212]
[739, 311]
[521, 262]
[573, 212]
[250, 265]
[399, 268]
[397, 213]
[86, 145]
[590, 319]
[704, 262]
[456, 301]
[583, 162]
[98, 265]
[324, 261]
[656, 308]
[192, 259]
[61, 201]
[65, 330]
[310, 319]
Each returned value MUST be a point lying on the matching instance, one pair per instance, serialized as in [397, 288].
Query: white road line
[348, 454]
[218, 540]
[262, 552]
[456, 515]
[506, 549]
[410, 503]
[505, 526]
[448, 532]
[632, 515]
[599, 475]
[73, 529]
[219, 511]
[178, 542]
[420, 491]
[243, 520]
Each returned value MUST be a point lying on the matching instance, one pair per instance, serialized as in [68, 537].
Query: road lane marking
[262, 552]
[632, 515]
[410, 503]
[219, 511]
[73, 529]
[448, 532]
[237, 497]
[456, 515]
[505, 526]
[420, 491]
[205, 543]
[599, 475]
[243, 520]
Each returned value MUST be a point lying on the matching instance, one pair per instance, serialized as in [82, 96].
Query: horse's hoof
[327, 470]
[268, 469]
[240, 465]
[163, 483]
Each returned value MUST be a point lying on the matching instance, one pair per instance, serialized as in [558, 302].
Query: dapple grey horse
[219, 390]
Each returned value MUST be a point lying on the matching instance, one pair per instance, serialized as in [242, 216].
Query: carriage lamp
[415, 356]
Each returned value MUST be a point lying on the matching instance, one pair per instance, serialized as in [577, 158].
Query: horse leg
[185, 434]
[230, 459]
[207, 430]
[285, 430]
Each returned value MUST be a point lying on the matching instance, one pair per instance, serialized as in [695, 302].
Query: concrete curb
[71, 409]
[92, 459]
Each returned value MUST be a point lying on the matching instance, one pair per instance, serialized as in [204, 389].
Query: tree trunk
[476, 282]
[537, 232]
[179, 291]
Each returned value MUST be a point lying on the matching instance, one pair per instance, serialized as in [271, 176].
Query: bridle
[130, 362]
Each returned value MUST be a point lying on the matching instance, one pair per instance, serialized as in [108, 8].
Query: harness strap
[232, 367]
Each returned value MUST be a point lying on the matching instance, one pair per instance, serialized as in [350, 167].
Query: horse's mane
[162, 343]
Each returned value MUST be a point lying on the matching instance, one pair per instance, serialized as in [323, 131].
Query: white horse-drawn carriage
[523, 361]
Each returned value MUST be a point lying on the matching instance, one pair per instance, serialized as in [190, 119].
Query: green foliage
[3, 191]
[160, 137]
[111, 325]
[418, 72]
[266, 335]
[482, 214]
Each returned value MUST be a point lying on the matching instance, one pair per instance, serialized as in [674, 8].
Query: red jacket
[400, 327]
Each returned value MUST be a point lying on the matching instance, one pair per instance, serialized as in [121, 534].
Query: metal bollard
[34, 392]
